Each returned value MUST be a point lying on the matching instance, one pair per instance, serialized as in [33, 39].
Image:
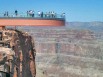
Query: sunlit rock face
[17, 54]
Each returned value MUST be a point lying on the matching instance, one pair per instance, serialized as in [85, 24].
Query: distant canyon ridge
[94, 26]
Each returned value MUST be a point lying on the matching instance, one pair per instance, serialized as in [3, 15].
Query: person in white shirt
[39, 13]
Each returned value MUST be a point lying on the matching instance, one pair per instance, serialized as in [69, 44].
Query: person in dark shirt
[7, 13]
[27, 13]
[41, 14]
[16, 12]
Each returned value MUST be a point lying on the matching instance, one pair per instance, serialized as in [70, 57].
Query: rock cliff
[17, 52]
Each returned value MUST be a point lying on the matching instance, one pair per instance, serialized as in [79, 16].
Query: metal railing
[24, 15]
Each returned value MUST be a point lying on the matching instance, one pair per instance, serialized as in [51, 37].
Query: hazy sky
[76, 10]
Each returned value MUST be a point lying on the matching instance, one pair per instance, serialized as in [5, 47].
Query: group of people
[7, 13]
[30, 13]
[40, 14]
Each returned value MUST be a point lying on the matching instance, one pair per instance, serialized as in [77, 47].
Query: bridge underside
[31, 22]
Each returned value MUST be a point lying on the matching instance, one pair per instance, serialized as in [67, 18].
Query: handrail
[24, 15]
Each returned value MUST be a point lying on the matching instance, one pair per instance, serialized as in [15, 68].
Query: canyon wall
[65, 52]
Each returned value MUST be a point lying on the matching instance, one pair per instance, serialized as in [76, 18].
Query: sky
[75, 10]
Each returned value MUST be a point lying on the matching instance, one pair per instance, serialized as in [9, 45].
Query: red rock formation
[26, 55]
[22, 62]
